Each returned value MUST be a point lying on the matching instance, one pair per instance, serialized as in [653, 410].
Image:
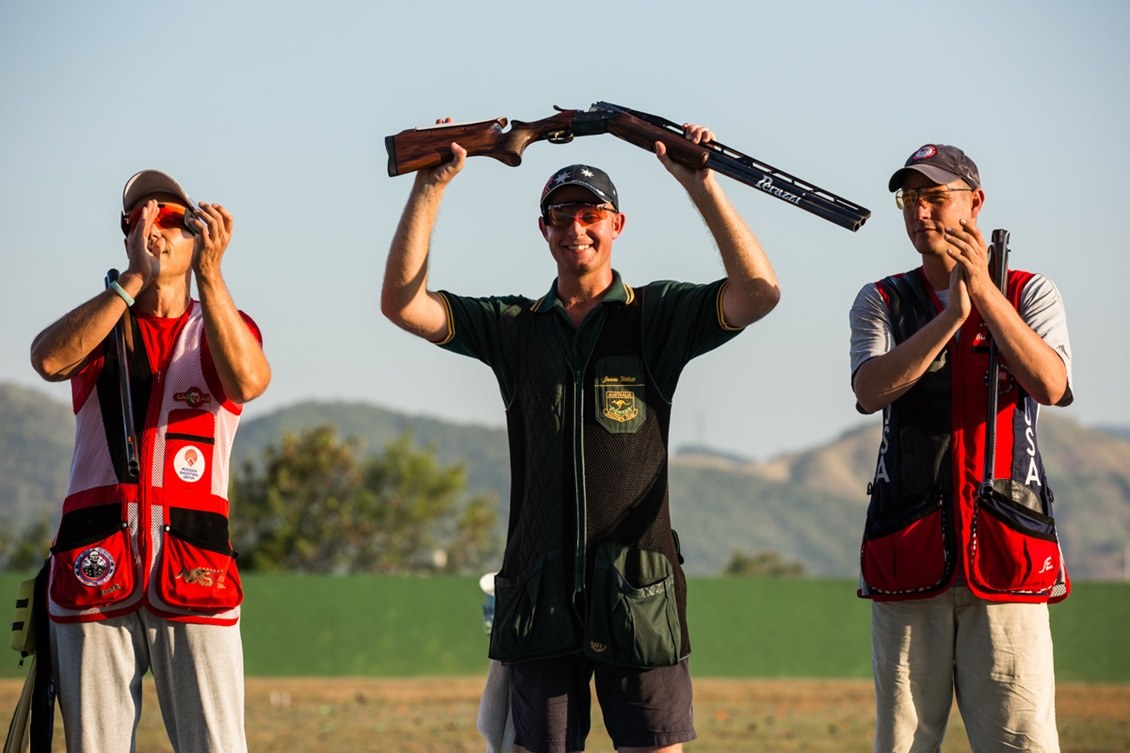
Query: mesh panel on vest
[91, 465]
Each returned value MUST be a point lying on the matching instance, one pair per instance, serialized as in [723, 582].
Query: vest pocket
[633, 615]
[197, 570]
[93, 572]
[905, 553]
[1014, 546]
[533, 615]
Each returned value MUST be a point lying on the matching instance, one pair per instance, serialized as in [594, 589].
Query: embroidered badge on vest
[205, 577]
[620, 405]
[94, 567]
[193, 396]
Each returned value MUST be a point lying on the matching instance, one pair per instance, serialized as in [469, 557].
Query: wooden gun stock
[423, 148]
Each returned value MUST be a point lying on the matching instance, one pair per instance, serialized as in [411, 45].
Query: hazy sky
[279, 110]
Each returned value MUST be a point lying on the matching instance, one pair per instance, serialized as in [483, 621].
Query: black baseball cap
[940, 163]
[593, 179]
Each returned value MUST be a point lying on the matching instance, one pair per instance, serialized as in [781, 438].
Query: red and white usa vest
[930, 516]
[161, 539]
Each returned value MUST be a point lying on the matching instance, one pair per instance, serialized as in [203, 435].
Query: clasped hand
[969, 279]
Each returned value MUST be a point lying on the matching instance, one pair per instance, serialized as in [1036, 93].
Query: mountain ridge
[807, 505]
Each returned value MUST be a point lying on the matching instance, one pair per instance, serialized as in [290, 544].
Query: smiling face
[931, 208]
[581, 249]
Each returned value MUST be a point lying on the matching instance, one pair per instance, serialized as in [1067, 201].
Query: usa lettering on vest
[1033, 476]
[881, 470]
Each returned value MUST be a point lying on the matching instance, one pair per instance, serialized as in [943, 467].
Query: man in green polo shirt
[590, 583]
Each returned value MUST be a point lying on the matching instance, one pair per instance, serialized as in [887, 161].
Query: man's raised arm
[752, 290]
[240, 362]
[405, 298]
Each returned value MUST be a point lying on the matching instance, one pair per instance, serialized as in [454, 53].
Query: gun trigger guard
[563, 136]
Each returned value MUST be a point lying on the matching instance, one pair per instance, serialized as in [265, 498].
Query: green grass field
[327, 626]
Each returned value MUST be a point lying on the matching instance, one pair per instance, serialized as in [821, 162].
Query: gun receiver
[998, 258]
[421, 148]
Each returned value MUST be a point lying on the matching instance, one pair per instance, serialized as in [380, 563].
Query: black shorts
[550, 703]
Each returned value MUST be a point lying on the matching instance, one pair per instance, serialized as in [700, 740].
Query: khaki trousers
[996, 658]
[197, 669]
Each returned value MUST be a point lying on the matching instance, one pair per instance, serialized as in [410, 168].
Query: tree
[26, 550]
[320, 504]
[765, 564]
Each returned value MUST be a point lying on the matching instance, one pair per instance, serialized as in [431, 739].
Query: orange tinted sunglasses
[564, 215]
[169, 216]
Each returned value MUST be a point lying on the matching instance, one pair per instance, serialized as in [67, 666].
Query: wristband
[121, 291]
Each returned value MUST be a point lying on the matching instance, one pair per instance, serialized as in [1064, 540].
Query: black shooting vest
[591, 562]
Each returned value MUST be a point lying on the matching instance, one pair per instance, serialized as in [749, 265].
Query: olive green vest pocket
[533, 615]
[633, 615]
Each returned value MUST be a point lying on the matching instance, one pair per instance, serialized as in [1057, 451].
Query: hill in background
[36, 436]
[808, 506]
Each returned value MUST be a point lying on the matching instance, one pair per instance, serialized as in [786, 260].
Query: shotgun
[124, 392]
[422, 148]
[998, 270]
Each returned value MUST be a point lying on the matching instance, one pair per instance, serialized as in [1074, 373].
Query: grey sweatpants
[198, 671]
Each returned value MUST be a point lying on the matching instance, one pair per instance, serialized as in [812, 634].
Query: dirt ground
[349, 715]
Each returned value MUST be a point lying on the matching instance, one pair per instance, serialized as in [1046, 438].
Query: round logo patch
[94, 567]
[925, 152]
[189, 464]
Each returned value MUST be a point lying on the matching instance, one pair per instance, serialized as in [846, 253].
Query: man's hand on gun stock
[444, 173]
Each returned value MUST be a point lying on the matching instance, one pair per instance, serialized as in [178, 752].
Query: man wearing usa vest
[591, 585]
[142, 574]
[959, 577]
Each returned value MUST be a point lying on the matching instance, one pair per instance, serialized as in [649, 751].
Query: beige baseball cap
[149, 182]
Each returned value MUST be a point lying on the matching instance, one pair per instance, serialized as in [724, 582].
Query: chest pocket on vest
[188, 450]
[620, 405]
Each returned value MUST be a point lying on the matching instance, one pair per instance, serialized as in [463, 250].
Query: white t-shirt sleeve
[1041, 307]
[871, 333]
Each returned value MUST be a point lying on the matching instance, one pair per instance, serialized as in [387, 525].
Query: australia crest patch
[620, 405]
